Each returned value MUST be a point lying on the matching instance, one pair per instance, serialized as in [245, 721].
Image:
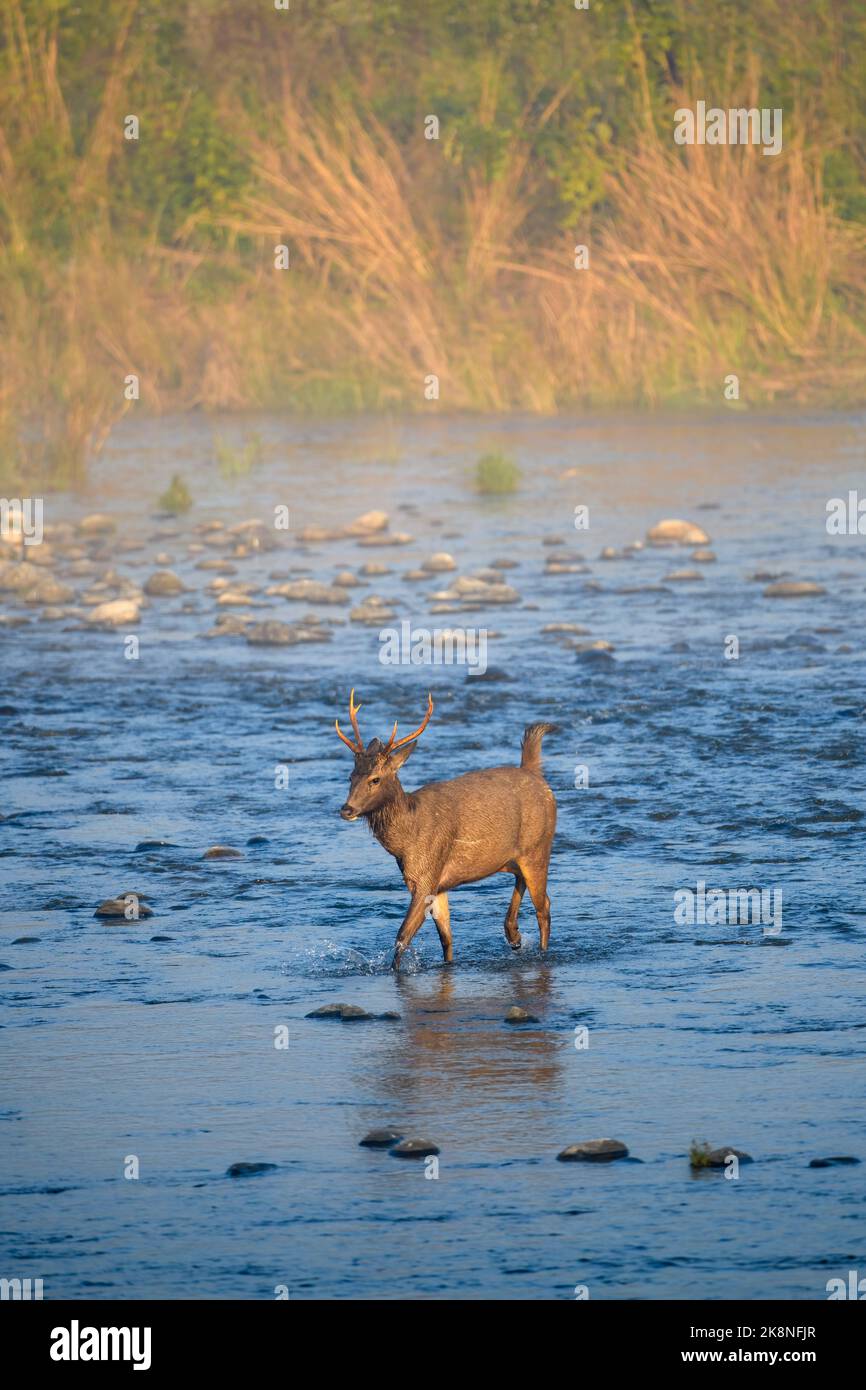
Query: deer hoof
[516, 945]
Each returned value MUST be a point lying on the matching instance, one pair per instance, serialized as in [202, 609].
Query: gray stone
[381, 1138]
[348, 1013]
[838, 1161]
[246, 1170]
[794, 588]
[119, 907]
[719, 1158]
[593, 1151]
[414, 1148]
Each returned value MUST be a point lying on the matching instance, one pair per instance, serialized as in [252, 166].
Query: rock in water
[368, 524]
[246, 1170]
[518, 1015]
[718, 1158]
[349, 1013]
[129, 903]
[270, 633]
[163, 584]
[794, 588]
[97, 524]
[222, 852]
[414, 1148]
[673, 531]
[439, 563]
[839, 1160]
[593, 1151]
[381, 1138]
[115, 612]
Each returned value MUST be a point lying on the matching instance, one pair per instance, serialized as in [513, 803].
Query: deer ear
[399, 756]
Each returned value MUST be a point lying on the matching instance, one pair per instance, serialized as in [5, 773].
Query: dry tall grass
[710, 261]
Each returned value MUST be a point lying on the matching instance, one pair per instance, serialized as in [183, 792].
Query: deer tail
[530, 747]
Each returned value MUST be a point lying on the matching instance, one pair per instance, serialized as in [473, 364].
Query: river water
[159, 1042]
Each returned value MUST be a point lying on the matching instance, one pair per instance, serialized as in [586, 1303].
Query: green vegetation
[495, 473]
[176, 498]
[237, 463]
[410, 256]
[699, 1154]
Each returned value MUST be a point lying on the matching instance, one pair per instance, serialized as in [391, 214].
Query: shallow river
[156, 1039]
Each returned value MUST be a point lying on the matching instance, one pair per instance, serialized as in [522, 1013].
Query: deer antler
[353, 715]
[391, 746]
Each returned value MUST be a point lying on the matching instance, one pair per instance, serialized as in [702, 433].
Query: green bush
[176, 498]
[496, 473]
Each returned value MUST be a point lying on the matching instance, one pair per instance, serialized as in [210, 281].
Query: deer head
[373, 780]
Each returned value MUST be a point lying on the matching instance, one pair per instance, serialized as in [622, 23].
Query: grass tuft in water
[176, 498]
[238, 463]
[496, 474]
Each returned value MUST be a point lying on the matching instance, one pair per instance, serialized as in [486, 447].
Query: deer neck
[389, 821]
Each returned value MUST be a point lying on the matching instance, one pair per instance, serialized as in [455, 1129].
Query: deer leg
[536, 882]
[512, 935]
[441, 914]
[413, 920]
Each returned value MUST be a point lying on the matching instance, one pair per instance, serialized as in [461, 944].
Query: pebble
[307, 591]
[119, 906]
[835, 1162]
[467, 589]
[228, 625]
[115, 613]
[372, 613]
[718, 1158]
[682, 577]
[414, 1148]
[673, 531]
[381, 1138]
[347, 1012]
[593, 1151]
[351, 1013]
[439, 563]
[392, 538]
[97, 524]
[366, 525]
[218, 566]
[163, 584]
[231, 598]
[794, 588]
[267, 634]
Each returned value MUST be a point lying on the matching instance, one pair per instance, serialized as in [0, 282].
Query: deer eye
[374, 781]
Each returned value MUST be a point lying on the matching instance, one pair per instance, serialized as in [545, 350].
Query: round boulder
[673, 531]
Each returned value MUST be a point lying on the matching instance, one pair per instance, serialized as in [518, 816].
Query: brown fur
[499, 820]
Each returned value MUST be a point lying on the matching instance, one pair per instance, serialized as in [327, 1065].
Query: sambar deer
[499, 820]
